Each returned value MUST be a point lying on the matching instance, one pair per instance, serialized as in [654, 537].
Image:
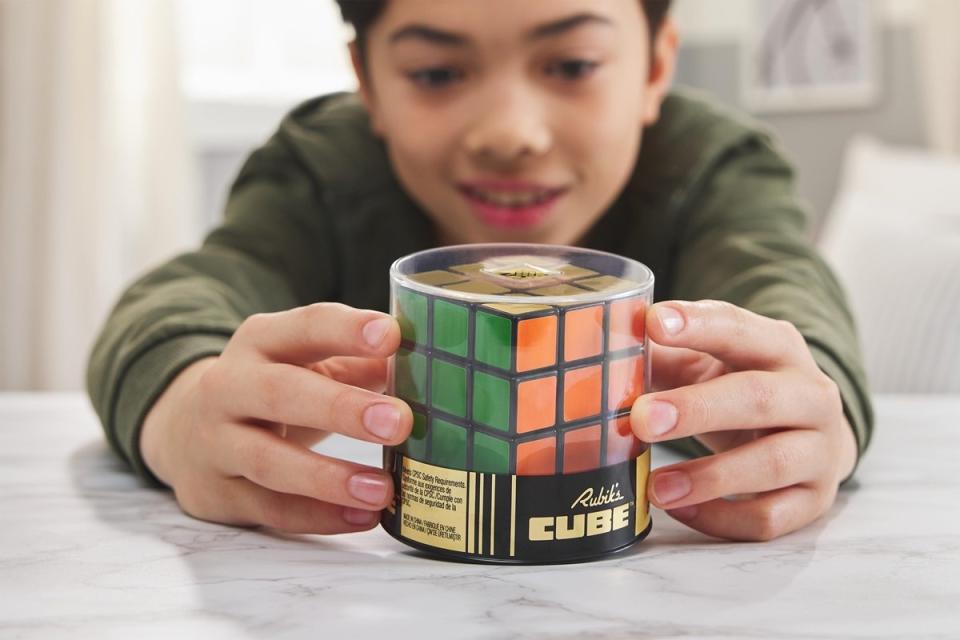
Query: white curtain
[939, 59]
[95, 178]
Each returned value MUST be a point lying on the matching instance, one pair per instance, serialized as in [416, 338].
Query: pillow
[893, 238]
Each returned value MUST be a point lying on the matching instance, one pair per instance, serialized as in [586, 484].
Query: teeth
[512, 199]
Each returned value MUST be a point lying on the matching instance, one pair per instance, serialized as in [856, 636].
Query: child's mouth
[514, 207]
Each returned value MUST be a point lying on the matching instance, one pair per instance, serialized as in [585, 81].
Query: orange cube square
[581, 449]
[582, 392]
[537, 457]
[627, 324]
[624, 382]
[622, 444]
[583, 333]
[536, 343]
[536, 403]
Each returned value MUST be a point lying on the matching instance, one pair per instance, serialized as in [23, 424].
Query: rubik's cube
[527, 389]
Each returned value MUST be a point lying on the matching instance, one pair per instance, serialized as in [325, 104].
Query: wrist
[166, 419]
[849, 451]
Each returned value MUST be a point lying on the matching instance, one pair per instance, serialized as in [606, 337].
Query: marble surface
[86, 551]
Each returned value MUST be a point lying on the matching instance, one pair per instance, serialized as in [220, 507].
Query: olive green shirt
[317, 214]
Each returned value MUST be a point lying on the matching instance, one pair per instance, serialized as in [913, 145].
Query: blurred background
[123, 123]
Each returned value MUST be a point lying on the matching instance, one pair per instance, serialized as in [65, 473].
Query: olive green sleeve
[272, 252]
[743, 240]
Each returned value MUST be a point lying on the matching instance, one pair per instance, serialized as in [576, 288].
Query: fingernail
[670, 486]
[661, 417]
[360, 517]
[684, 513]
[375, 330]
[368, 487]
[671, 320]
[382, 420]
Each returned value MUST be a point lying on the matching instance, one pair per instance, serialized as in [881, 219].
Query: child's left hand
[747, 387]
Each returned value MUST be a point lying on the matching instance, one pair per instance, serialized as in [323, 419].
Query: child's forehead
[527, 18]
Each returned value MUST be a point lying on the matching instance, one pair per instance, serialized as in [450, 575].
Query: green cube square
[490, 455]
[415, 446]
[410, 376]
[450, 323]
[494, 340]
[491, 400]
[449, 389]
[411, 313]
[449, 444]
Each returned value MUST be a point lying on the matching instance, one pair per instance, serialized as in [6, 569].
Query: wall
[713, 21]
[815, 140]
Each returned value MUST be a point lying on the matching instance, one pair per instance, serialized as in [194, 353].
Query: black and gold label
[509, 518]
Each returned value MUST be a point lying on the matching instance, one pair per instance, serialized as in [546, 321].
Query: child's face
[514, 120]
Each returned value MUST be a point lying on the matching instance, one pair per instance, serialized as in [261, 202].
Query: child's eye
[572, 69]
[435, 77]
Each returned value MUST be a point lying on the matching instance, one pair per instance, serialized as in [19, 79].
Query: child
[490, 121]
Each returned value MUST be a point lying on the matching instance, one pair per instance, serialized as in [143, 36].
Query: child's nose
[509, 129]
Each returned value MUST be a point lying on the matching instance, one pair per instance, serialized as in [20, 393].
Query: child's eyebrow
[453, 39]
[430, 34]
[564, 25]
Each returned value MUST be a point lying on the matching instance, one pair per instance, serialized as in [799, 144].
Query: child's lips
[512, 205]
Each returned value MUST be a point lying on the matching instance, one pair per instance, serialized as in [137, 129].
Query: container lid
[511, 273]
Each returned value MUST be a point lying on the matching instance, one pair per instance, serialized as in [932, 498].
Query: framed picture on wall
[811, 55]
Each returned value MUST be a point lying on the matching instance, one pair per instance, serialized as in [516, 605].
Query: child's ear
[364, 88]
[662, 67]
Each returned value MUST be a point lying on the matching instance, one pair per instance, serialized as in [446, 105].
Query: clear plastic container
[520, 363]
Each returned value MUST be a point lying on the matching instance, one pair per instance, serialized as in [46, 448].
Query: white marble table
[86, 552]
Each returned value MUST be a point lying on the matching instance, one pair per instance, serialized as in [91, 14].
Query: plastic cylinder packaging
[520, 363]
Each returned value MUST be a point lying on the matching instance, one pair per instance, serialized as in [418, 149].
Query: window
[262, 51]
[244, 64]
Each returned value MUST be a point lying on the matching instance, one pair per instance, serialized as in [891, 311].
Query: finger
[318, 331]
[771, 462]
[678, 367]
[269, 461]
[365, 373]
[245, 503]
[304, 436]
[718, 441]
[741, 400]
[740, 338]
[763, 518]
[297, 396]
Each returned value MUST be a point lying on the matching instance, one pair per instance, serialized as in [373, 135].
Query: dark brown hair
[363, 13]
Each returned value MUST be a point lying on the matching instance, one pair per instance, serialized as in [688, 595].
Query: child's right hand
[231, 434]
